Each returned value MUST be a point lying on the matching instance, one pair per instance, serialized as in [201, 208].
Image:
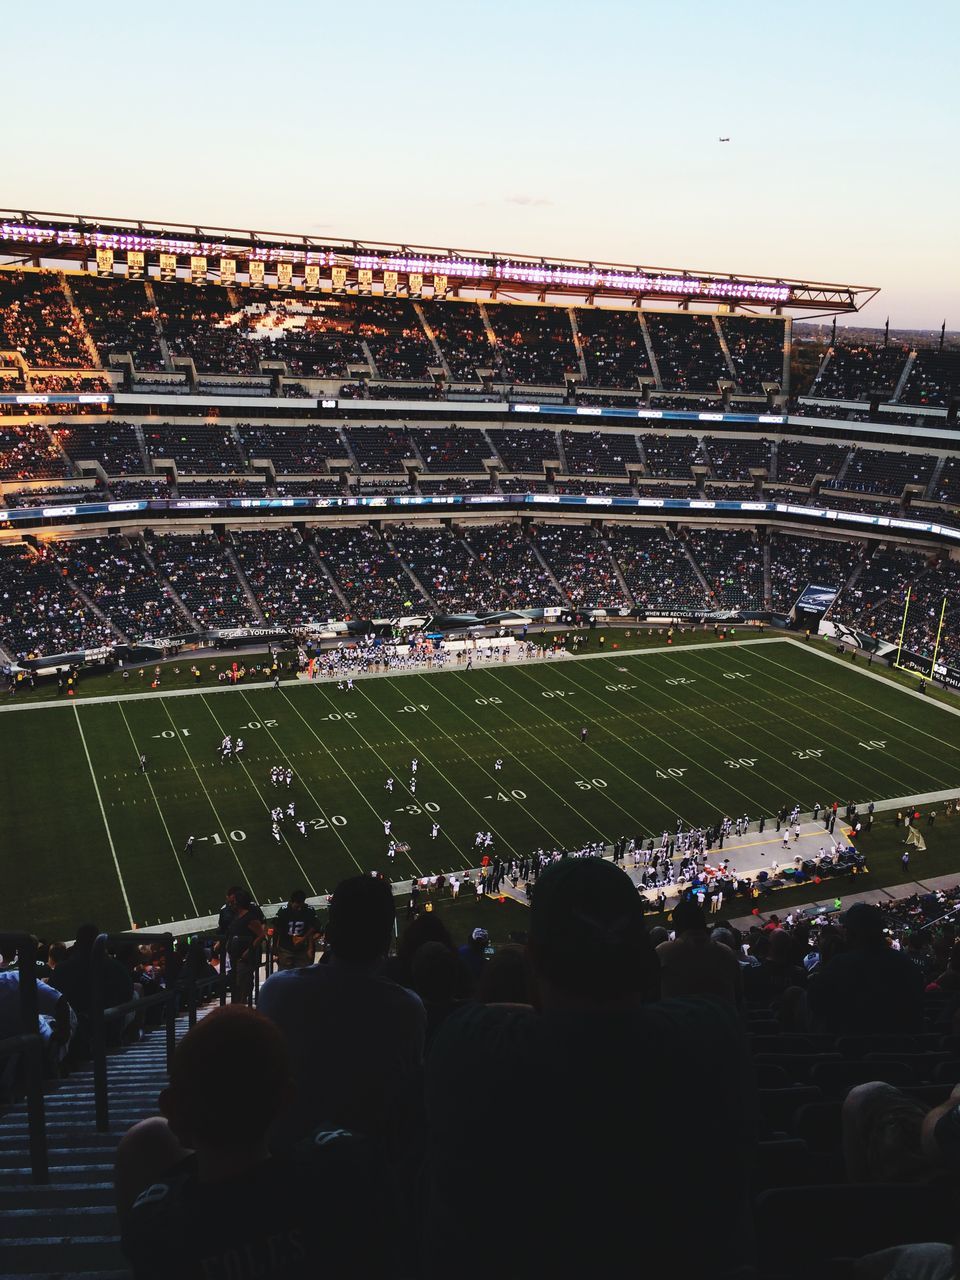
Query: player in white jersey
[498, 764]
[389, 785]
[302, 827]
[387, 824]
[434, 830]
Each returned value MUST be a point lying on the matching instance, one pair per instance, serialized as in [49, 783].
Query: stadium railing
[28, 1046]
[182, 985]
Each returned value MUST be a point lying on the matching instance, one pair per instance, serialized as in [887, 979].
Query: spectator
[595, 973]
[356, 1039]
[474, 953]
[245, 933]
[56, 1022]
[693, 964]
[295, 931]
[868, 987]
[73, 978]
[198, 1193]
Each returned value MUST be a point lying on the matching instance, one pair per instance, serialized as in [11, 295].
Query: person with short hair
[356, 1039]
[295, 930]
[199, 1194]
[594, 1025]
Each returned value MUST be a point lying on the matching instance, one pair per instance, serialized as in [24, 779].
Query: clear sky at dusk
[581, 129]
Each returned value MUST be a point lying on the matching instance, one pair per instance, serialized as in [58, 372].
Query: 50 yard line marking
[103, 814]
[173, 850]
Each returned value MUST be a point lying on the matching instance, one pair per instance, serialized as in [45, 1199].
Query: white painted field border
[299, 682]
[103, 814]
[173, 848]
[213, 807]
[756, 722]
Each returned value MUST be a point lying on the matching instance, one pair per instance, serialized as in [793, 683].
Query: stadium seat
[800, 1228]
[837, 1078]
[779, 1106]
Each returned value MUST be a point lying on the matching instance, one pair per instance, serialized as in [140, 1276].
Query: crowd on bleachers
[656, 569]
[733, 459]
[688, 351]
[287, 582]
[581, 564]
[756, 350]
[455, 579]
[614, 352]
[112, 571]
[885, 471]
[796, 562]
[600, 453]
[731, 564]
[30, 452]
[36, 320]
[370, 575]
[39, 612]
[861, 370]
[120, 319]
[197, 569]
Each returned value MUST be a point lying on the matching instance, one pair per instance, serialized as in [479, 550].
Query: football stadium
[472, 719]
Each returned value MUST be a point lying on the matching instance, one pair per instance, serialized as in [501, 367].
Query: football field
[695, 732]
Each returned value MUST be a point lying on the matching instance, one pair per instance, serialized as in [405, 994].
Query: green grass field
[694, 732]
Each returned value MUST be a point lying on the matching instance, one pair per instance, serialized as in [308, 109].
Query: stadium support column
[936, 647]
[903, 624]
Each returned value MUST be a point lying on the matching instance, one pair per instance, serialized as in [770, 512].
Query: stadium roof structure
[315, 264]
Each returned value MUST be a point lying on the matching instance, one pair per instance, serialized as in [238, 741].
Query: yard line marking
[833, 729]
[453, 786]
[698, 764]
[726, 726]
[542, 781]
[103, 814]
[393, 772]
[839, 727]
[160, 811]
[266, 805]
[220, 822]
[323, 813]
[658, 800]
[886, 714]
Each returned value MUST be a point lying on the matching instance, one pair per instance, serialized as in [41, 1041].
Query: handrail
[180, 982]
[30, 1044]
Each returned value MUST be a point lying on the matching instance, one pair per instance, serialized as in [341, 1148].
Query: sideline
[479, 665]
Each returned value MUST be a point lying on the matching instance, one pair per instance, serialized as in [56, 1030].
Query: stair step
[65, 1255]
[57, 1223]
[63, 1173]
[71, 1275]
[77, 1195]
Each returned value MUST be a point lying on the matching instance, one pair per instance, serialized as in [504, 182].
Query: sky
[584, 130]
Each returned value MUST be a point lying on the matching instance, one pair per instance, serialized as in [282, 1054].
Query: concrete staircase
[89, 603]
[904, 376]
[418, 588]
[368, 356]
[844, 468]
[627, 593]
[651, 354]
[142, 446]
[328, 574]
[933, 483]
[721, 338]
[774, 461]
[433, 341]
[168, 586]
[551, 576]
[231, 558]
[69, 1228]
[824, 363]
[581, 361]
[164, 348]
[88, 343]
[767, 573]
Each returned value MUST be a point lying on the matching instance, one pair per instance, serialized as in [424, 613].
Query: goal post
[915, 667]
